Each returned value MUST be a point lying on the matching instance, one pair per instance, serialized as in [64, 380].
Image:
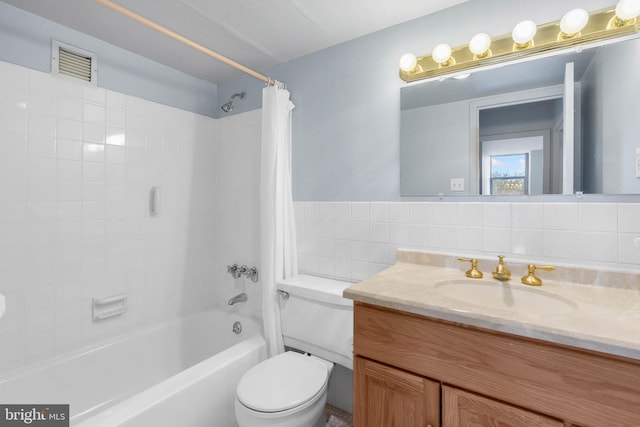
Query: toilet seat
[283, 382]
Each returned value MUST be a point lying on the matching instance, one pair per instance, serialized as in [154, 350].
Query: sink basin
[501, 295]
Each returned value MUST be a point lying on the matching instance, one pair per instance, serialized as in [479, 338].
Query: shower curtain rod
[149, 23]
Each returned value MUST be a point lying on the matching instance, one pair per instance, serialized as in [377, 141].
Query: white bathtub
[178, 373]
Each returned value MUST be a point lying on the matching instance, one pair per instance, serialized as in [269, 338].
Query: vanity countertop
[600, 318]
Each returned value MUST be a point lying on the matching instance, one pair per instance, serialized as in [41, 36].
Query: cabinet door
[389, 397]
[460, 408]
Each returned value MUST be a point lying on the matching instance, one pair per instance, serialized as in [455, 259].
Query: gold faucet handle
[474, 273]
[531, 279]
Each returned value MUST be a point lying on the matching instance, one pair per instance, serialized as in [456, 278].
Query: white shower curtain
[278, 258]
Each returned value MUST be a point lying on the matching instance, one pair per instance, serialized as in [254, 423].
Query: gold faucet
[501, 272]
[474, 273]
[531, 279]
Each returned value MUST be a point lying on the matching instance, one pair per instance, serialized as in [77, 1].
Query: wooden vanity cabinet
[412, 370]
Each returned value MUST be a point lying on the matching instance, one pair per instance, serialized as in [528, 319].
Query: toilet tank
[316, 318]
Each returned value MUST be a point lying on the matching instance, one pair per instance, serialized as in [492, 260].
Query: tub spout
[238, 298]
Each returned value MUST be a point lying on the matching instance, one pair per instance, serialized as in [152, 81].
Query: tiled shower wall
[351, 241]
[76, 165]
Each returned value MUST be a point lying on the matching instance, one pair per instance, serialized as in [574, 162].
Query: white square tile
[326, 248]
[115, 155]
[379, 232]
[497, 215]
[13, 120]
[14, 144]
[400, 213]
[343, 269]
[400, 234]
[443, 237]
[599, 247]
[116, 136]
[561, 216]
[94, 133]
[420, 233]
[42, 82]
[327, 267]
[629, 248]
[69, 108]
[94, 113]
[69, 170]
[421, 213]
[444, 213]
[360, 230]
[360, 251]
[343, 230]
[470, 214]
[41, 189]
[342, 211]
[379, 253]
[42, 103]
[42, 146]
[379, 212]
[561, 244]
[69, 190]
[93, 172]
[527, 242]
[42, 168]
[326, 228]
[311, 210]
[496, 240]
[598, 217]
[97, 95]
[360, 211]
[69, 210]
[325, 211]
[42, 124]
[469, 239]
[41, 211]
[527, 215]
[93, 152]
[69, 129]
[116, 100]
[629, 217]
[343, 249]
[68, 149]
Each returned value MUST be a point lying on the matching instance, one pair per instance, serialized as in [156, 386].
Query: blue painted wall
[26, 40]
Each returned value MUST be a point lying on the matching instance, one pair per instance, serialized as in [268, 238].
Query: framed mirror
[553, 125]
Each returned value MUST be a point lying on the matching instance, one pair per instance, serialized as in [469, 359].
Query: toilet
[290, 389]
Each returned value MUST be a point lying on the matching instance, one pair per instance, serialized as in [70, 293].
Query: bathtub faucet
[238, 298]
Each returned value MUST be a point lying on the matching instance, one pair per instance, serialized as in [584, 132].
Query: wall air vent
[71, 61]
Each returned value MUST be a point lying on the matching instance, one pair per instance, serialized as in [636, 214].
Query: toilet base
[312, 415]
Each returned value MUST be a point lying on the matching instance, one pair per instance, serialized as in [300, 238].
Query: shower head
[228, 106]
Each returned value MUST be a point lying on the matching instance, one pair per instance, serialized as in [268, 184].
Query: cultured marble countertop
[594, 317]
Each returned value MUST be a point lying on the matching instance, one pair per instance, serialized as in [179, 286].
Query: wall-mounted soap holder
[109, 306]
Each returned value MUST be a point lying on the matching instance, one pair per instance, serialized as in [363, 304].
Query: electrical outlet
[457, 184]
[638, 162]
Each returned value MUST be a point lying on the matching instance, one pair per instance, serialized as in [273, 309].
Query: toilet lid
[283, 382]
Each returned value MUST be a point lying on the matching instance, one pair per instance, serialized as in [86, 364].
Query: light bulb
[628, 9]
[574, 21]
[524, 32]
[479, 44]
[408, 62]
[441, 53]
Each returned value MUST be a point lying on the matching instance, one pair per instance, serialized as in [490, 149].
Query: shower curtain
[278, 258]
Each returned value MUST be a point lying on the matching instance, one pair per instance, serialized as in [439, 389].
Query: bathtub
[182, 373]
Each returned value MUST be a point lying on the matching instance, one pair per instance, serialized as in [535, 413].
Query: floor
[336, 417]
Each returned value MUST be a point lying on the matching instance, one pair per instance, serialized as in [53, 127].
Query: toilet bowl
[290, 389]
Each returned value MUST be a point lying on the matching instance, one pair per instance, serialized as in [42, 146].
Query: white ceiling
[256, 33]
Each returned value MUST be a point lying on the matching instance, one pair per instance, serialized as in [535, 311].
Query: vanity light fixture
[576, 30]
[441, 54]
[572, 23]
[523, 34]
[480, 45]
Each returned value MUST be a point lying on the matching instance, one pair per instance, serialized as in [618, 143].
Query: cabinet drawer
[461, 409]
[579, 387]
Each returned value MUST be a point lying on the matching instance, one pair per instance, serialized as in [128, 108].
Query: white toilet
[290, 389]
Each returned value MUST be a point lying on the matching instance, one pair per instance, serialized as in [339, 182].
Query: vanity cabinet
[413, 370]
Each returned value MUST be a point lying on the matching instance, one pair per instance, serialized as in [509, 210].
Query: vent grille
[74, 62]
[74, 65]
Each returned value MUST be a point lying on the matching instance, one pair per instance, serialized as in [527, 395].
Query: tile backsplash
[353, 240]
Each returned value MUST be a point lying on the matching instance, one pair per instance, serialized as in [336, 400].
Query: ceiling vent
[74, 62]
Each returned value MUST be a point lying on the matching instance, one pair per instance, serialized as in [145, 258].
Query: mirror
[553, 125]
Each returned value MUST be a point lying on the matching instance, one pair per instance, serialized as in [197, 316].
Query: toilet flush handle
[284, 294]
